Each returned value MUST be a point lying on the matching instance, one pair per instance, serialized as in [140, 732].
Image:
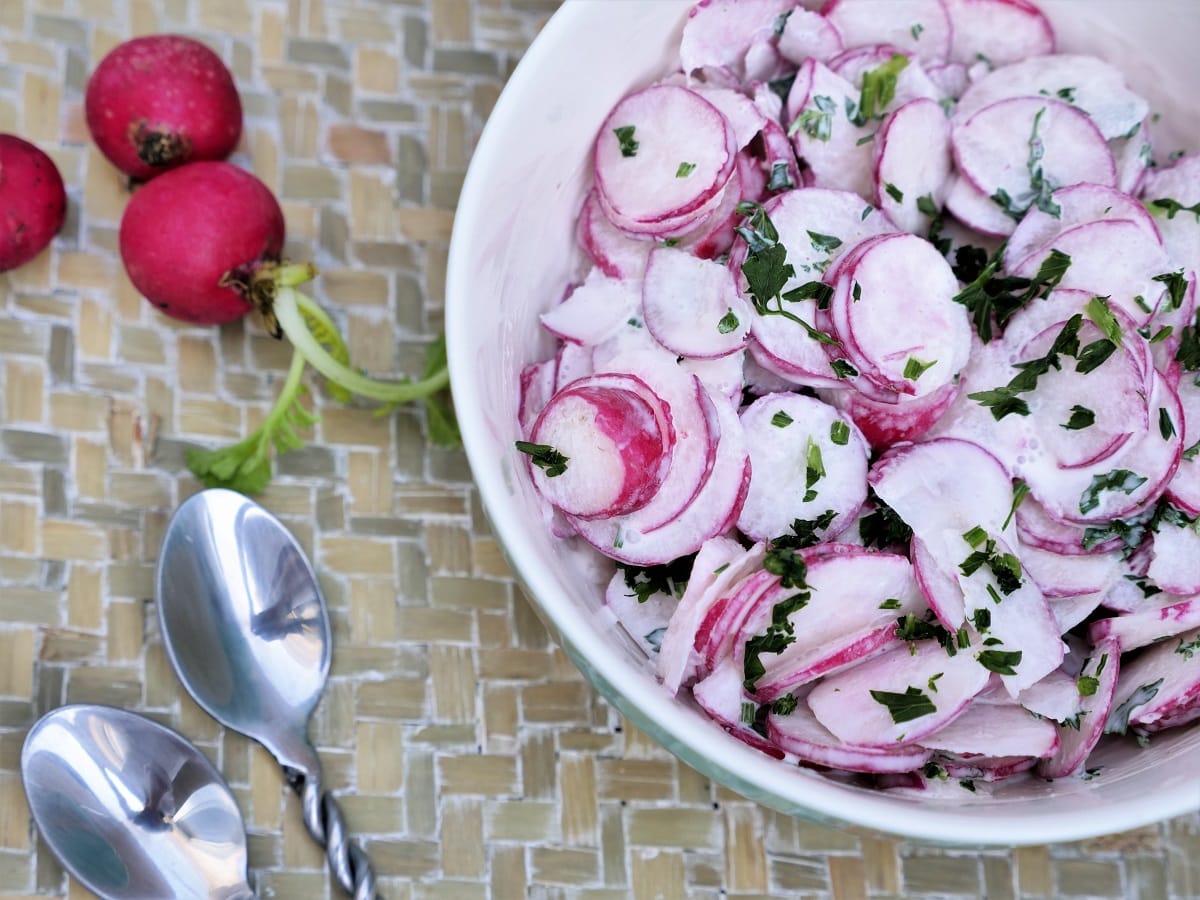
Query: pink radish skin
[33, 201]
[1148, 626]
[1176, 701]
[617, 451]
[912, 159]
[884, 424]
[1079, 738]
[188, 233]
[719, 33]
[801, 734]
[156, 102]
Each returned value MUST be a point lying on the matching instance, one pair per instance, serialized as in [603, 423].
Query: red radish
[157, 102]
[33, 202]
[193, 239]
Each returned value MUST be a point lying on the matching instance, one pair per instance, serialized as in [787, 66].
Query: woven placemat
[469, 754]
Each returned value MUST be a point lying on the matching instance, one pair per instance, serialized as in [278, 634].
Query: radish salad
[878, 389]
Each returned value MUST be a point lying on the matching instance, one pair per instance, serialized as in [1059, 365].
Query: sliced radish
[854, 599]
[643, 620]
[975, 209]
[799, 733]
[719, 33]
[594, 311]
[662, 156]
[1176, 184]
[1078, 736]
[1175, 559]
[1116, 258]
[1134, 156]
[536, 389]
[1160, 688]
[1078, 204]
[980, 767]
[717, 633]
[887, 701]
[893, 310]
[1148, 626]
[613, 251]
[836, 150]
[572, 362]
[807, 461]
[807, 33]
[912, 82]
[1054, 697]
[941, 591]
[997, 31]
[1037, 528]
[616, 437]
[884, 424]
[692, 306]
[1184, 487]
[919, 27]
[912, 164]
[995, 730]
[1071, 575]
[1016, 150]
[720, 564]
[1086, 82]
[721, 696]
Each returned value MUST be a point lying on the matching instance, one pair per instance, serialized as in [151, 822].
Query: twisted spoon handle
[324, 820]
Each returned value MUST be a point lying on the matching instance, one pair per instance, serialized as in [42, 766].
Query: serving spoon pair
[132, 809]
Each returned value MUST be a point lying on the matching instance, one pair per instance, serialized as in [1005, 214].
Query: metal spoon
[132, 809]
[245, 626]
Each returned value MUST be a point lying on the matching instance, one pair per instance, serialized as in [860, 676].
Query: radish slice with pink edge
[1079, 204]
[1037, 528]
[692, 306]
[887, 701]
[1134, 158]
[1175, 558]
[816, 226]
[1118, 487]
[1062, 575]
[743, 115]
[893, 310]
[912, 164]
[980, 767]
[912, 82]
[807, 462]
[615, 253]
[995, 730]
[998, 31]
[710, 511]
[536, 388]
[644, 620]
[572, 362]
[722, 697]
[807, 33]
[855, 597]
[799, 733]
[719, 33]
[594, 310]
[1184, 488]
[884, 424]
[836, 151]
[975, 209]
[1148, 626]
[1088, 83]
[615, 437]
[1000, 147]
[1160, 688]
[1115, 258]
[1161, 189]
[950, 78]
[919, 27]
[721, 563]
[1055, 697]
[662, 155]
[941, 592]
[716, 636]
[1096, 684]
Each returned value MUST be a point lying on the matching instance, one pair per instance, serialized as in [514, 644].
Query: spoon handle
[324, 820]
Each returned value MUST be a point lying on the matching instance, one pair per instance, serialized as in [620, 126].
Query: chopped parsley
[890, 603]
[1040, 188]
[817, 120]
[1002, 662]
[1098, 311]
[1118, 720]
[670, 578]
[545, 457]
[1174, 207]
[882, 527]
[1020, 492]
[843, 368]
[1081, 417]
[1165, 426]
[729, 322]
[912, 704]
[655, 637]
[1176, 285]
[915, 368]
[1190, 649]
[878, 89]
[1117, 480]
[992, 299]
[685, 169]
[839, 433]
[1005, 567]
[777, 638]
[825, 243]
[1003, 401]
[781, 177]
[781, 419]
[629, 147]
[982, 619]
[927, 206]
[814, 469]
[894, 192]
[805, 533]
[785, 705]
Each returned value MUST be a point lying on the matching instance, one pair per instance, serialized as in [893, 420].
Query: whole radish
[156, 102]
[193, 240]
[33, 202]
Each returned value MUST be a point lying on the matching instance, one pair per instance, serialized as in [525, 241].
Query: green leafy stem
[246, 465]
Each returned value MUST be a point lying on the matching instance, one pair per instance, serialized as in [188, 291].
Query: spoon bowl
[132, 809]
[245, 627]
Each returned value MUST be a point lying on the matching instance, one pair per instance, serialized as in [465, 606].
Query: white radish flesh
[1148, 626]
[919, 27]
[594, 311]
[995, 729]
[1160, 688]
[912, 161]
[1079, 736]
[692, 306]
[806, 461]
[997, 31]
[836, 150]
[800, 733]
[719, 33]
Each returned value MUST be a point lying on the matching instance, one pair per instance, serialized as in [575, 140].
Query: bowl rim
[735, 765]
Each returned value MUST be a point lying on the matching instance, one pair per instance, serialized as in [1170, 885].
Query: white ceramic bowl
[512, 253]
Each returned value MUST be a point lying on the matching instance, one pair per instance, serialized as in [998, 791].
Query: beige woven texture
[468, 753]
